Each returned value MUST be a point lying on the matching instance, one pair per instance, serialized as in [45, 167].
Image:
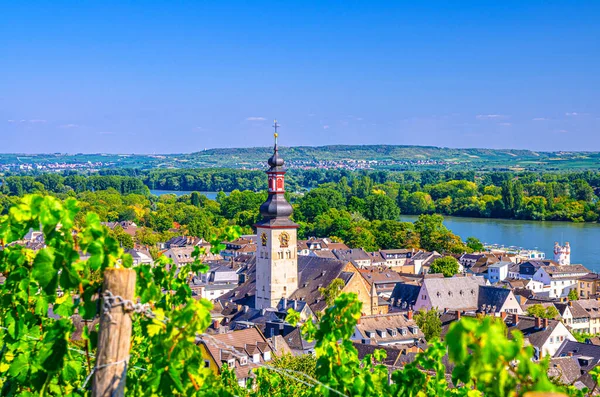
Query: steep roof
[565, 369]
[565, 271]
[388, 328]
[393, 353]
[405, 295]
[591, 306]
[244, 342]
[313, 272]
[353, 254]
[587, 355]
[536, 336]
[461, 293]
[493, 297]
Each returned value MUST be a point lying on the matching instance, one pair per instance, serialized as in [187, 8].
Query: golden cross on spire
[275, 126]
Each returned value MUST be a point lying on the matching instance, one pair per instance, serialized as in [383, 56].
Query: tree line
[375, 195]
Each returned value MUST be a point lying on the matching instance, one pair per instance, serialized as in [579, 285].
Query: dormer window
[267, 356]
[231, 363]
[243, 360]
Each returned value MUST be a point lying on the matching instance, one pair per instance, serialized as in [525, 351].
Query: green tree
[573, 295]
[539, 310]
[381, 207]
[474, 244]
[319, 201]
[448, 266]
[429, 322]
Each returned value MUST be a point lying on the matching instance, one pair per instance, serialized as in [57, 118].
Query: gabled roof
[565, 271]
[564, 369]
[492, 297]
[460, 293]
[591, 306]
[536, 336]
[405, 295]
[353, 254]
[244, 342]
[313, 272]
[388, 328]
[590, 353]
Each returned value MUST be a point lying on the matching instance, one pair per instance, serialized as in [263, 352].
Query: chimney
[284, 304]
[239, 308]
[570, 354]
[216, 324]
[515, 319]
[458, 314]
[503, 315]
[246, 308]
[545, 323]
[358, 321]
[409, 314]
[538, 323]
[571, 303]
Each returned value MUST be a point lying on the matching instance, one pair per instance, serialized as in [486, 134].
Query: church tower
[277, 252]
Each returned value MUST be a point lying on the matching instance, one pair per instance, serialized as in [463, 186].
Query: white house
[544, 335]
[498, 271]
[559, 280]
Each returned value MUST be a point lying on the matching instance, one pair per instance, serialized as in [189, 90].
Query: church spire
[276, 211]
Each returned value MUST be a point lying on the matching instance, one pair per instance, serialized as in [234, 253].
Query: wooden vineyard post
[114, 337]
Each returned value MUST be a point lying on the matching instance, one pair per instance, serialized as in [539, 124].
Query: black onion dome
[276, 206]
[275, 160]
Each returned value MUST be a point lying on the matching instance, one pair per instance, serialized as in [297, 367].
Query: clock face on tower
[263, 239]
[284, 240]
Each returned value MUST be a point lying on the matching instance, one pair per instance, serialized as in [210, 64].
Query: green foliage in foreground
[39, 356]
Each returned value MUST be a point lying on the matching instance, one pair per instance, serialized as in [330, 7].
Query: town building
[277, 272]
[242, 351]
[498, 271]
[277, 250]
[140, 256]
[388, 330]
[313, 244]
[559, 280]
[469, 294]
[588, 285]
[243, 245]
[562, 254]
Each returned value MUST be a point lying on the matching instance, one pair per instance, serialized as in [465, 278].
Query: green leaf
[43, 268]
[19, 367]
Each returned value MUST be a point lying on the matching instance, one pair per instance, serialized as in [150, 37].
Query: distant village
[256, 279]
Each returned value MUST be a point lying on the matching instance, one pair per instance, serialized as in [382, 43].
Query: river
[583, 237]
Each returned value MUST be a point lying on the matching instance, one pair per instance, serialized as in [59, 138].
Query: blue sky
[177, 76]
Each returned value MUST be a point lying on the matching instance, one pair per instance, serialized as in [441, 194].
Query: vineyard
[77, 319]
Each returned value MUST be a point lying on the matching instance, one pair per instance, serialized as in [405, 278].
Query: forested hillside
[384, 157]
